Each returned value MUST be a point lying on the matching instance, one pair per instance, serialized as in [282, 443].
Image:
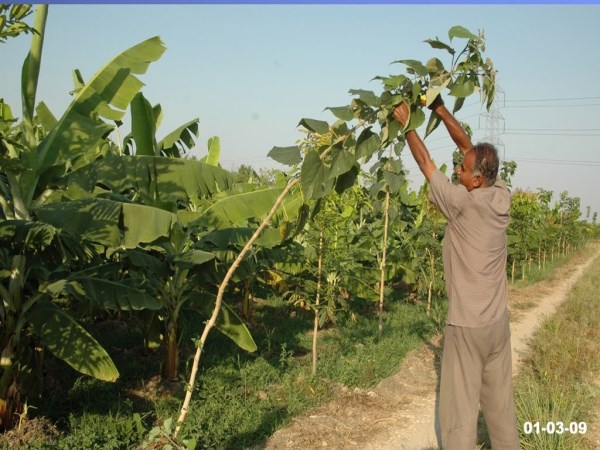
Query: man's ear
[477, 181]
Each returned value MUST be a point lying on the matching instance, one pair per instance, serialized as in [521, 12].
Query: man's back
[474, 250]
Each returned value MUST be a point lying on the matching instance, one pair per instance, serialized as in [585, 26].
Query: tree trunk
[512, 275]
[10, 403]
[170, 370]
[429, 298]
[317, 301]
[383, 263]
[545, 256]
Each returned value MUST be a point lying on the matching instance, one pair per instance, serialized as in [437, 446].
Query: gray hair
[486, 162]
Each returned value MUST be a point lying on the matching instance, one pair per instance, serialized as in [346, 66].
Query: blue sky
[251, 72]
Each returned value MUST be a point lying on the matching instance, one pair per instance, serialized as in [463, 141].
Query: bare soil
[399, 413]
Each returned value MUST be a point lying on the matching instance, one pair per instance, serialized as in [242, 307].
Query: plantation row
[540, 231]
[92, 223]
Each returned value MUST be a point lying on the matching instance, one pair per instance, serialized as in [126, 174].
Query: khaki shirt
[474, 250]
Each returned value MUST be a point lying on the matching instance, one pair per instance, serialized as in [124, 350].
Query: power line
[553, 129]
[553, 134]
[550, 106]
[559, 162]
[552, 99]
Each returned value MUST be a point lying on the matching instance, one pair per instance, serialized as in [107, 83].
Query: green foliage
[145, 120]
[162, 436]
[120, 431]
[33, 257]
[540, 232]
[106, 95]
[336, 150]
[12, 21]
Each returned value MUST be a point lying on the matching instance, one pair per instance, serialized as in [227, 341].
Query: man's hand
[437, 102]
[402, 113]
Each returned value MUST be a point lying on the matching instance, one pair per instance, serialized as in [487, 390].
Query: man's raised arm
[457, 133]
[415, 144]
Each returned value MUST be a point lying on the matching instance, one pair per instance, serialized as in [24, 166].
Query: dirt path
[399, 413]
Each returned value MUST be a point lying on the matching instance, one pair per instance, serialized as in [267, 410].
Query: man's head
[479, 167]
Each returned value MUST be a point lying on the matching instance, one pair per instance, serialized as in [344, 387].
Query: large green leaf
[312, 175]
[232, 210]
[106, 294]
[414, 66]
[214, 151]
[225, 238]
[144, 224]
[458, 104]
[417, 117]
[106, 95]
[434, 90]
[146, 261]
[460, 32]
[107, 222]
[181, 138]
[342, 112]
[368, 97]
[143, 126]
[70, 342]
[436, 43]
[316, 126]
[434, 121]
[286, 155]
[462, 87]
[160, 181]
[367, 143]
[228, 322]
[341, 162]
[45, 116]
[193, 258]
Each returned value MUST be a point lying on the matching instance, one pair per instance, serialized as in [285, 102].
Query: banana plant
[190, 219]
[177, 268]
[37, 261]
[37, 153]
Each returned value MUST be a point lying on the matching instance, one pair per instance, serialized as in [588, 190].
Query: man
[476, 363]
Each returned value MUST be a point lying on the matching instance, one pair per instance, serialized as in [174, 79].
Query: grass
[240, 398]
[556, 383]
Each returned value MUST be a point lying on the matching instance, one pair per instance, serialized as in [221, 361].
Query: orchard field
[154, 300]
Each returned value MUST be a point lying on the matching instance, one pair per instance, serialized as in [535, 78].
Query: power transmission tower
[494, 121]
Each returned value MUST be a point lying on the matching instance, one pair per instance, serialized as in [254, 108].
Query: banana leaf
[160, 181]
[106, 294]
[107, 222]
[236, 209]
[106, 95]
[200, 306]
[70, 342]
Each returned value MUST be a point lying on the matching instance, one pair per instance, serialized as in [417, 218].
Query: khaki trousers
[477, 371]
